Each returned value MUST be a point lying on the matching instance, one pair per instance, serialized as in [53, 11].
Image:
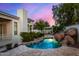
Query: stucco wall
[9, 29]
[6, 29]
[23, 20]
[8, 26]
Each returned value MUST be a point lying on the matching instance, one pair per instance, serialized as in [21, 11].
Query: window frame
[15, 28]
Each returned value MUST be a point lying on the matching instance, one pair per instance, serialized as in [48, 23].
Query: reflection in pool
[45, 44]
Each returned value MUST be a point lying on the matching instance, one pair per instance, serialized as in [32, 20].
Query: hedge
[30, 36]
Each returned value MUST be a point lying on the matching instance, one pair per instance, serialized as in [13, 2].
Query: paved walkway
[25, 51]
[5, 42]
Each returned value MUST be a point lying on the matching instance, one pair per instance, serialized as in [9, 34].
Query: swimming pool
[45, 44]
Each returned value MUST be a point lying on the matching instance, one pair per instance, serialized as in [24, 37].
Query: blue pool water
[45, 44]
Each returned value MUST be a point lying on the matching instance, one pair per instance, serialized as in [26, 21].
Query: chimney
[23, 23]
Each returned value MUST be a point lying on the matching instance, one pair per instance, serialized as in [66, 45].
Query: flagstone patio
[25, 51]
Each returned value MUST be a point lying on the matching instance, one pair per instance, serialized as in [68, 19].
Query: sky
[35, 11]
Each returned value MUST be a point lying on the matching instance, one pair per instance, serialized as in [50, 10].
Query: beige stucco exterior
[23, 22]
[30, 28]
[7, 26]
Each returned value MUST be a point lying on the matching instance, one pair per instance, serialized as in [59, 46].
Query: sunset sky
[35, 10]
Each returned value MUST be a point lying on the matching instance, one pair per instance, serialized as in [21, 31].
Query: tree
[68, 13]
[40, 25]
[59, 28]
[46, 24]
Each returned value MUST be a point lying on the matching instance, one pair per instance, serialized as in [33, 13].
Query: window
[0, 29]
[15, 28]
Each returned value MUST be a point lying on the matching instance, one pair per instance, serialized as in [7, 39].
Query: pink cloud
[45, 14]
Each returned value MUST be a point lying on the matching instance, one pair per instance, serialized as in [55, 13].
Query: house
[11, 26]
[30, 25]
[48, 30]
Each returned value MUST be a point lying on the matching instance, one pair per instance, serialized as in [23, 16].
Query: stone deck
[25, 51]
[5, 42]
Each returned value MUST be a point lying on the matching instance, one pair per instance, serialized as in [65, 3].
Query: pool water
[45, 44]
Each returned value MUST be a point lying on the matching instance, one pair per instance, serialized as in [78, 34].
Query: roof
[9, 15]
[30, 20]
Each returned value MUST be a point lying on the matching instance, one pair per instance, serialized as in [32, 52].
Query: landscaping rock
[68, 41]
[59, 36]
[71, 32]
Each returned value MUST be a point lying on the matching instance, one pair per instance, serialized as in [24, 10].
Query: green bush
[40, 34]
[9, 46]
[26, 37]
[59, 28]
[30, 36]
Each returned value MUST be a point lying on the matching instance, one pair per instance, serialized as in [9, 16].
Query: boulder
[68, 41]
[70, 37]
[71, 32]
[59, 36]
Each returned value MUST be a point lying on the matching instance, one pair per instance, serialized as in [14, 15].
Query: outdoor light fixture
[50, 40]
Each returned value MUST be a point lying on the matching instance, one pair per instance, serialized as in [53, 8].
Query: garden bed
[30, 36]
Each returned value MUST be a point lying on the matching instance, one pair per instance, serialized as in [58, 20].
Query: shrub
[9, 46]
[59, 28]
[30, 36]
[26, 37]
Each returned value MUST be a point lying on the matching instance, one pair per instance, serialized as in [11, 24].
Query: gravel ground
[25, 51]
